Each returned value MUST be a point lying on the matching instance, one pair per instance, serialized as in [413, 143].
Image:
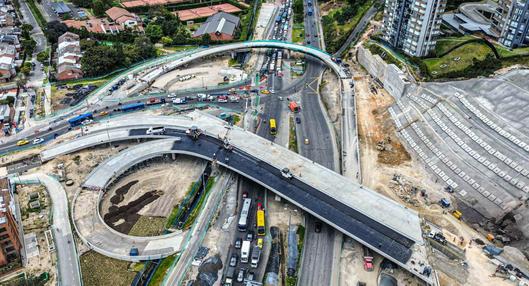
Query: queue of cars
[247, 249]
[274, 58]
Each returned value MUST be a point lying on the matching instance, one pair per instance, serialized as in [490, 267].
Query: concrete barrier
[392, 78]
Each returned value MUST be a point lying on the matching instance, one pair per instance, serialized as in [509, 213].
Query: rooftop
[219, 23]
[203, 12]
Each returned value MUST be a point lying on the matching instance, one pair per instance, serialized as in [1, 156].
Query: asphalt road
[317, 260]
[61, 126]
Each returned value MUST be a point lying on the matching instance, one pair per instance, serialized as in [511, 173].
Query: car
[37, 141]
[240, 276]
[285, 172]
[244, 195]
[249, 236]
[272, 91]
[260, 243]
[251, 276]
[280, 98]
[233, 260]
[171, 95]
[22, 142]
[298, 120]
[306, 141]
[317, 227]
[87, 122]
[238, 243]
[265, 91]
[103, 113]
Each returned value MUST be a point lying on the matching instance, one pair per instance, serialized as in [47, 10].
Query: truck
[245, 251]
[228, 278]
[234, 98]
[180, 100]
[368, 260]
[222, 99]
[256, 255]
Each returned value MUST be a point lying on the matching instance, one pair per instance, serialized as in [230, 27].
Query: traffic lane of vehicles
[248, 191]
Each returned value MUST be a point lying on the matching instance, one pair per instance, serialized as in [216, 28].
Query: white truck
[156, 130]
[245, 251]
[256, 255]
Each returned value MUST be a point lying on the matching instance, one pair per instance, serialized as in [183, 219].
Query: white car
[87, 122]
[171, 95]
[37, 141]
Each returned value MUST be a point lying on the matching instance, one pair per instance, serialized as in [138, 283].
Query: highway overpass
[370, 218]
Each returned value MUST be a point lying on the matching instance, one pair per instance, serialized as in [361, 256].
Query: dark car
[249, 236]
[250, 276]
[238, 243]
[317, 227]
[233, 260]
[298, 120]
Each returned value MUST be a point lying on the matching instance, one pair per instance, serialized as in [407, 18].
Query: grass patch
[161, 271]
[101, 270]
[445, 44]
[298, 33]
[292, 138]
[506, 53]
[98, 81]
[336, 29]
[457, 60]
[385, 55]
[148, 226]
[194, 213]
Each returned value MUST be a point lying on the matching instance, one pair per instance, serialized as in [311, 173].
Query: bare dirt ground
[207, 73]
[37, 222]
[172, 179]
[402, 178]
[330, 95]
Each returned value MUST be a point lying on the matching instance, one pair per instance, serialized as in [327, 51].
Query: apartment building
[69, 57]
[10, 245]
[412, 25]
[511, 22]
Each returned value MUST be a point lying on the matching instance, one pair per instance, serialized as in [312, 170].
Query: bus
[243, 218]
[75, 121]
[132, 106]
[261, 222]
[273, 128]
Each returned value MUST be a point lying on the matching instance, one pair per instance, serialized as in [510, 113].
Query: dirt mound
[123, 218]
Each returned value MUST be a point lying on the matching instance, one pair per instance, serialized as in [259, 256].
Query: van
[156, 130]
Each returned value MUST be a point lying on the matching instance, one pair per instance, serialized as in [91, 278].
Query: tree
[206, 39]
[100, 60]
[26, 31]
[100, 6]
[166, 41]
[154, 32]
[43, 57]
[54, 30]
[145, 47]
[29, 46]
[82, 3]
[26, 68]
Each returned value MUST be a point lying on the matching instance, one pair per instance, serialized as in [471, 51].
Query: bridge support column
[233, 55]
[173, 156]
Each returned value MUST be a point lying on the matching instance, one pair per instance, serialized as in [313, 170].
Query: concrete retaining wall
[392, 78]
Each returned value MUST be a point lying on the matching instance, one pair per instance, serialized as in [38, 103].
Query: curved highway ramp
[368, 217]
